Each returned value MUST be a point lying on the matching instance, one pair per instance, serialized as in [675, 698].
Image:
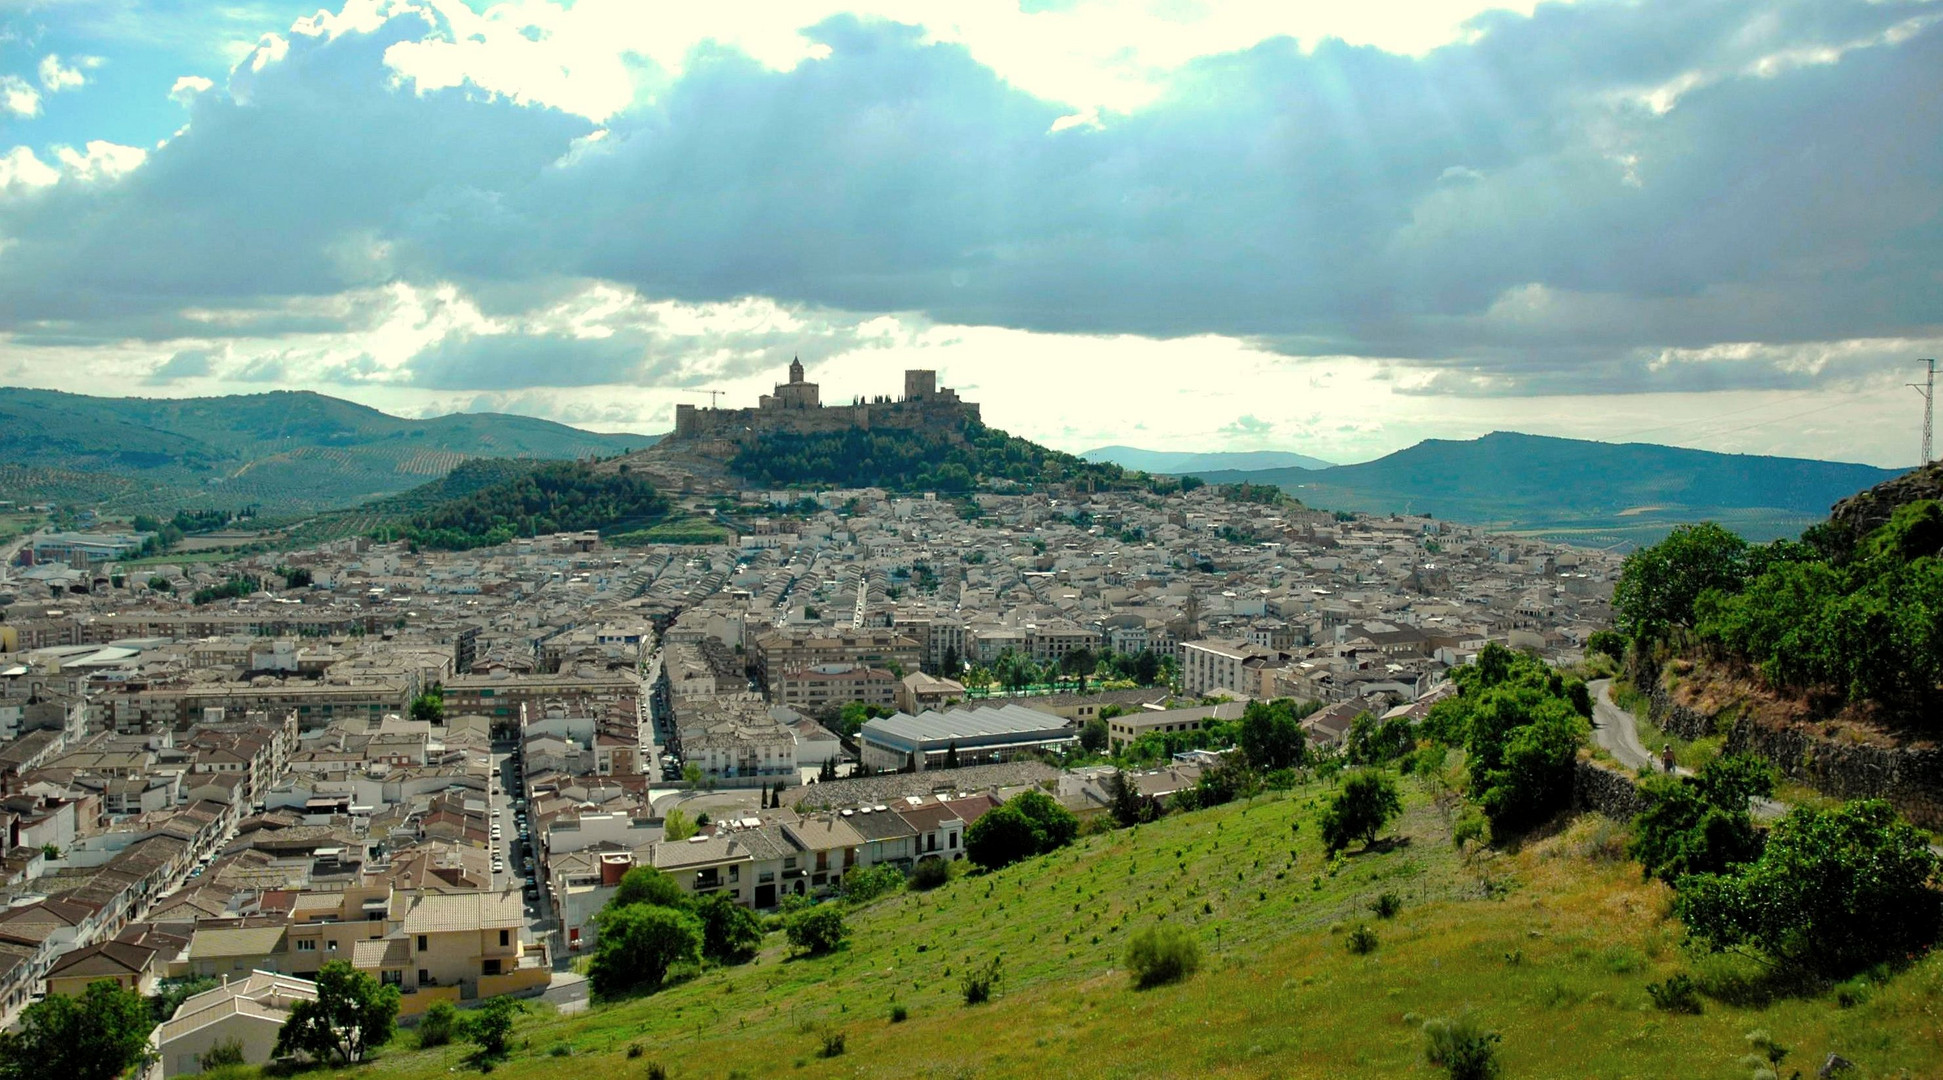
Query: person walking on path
[1666, 757]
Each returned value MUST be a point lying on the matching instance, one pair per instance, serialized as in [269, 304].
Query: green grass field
[1552, 946]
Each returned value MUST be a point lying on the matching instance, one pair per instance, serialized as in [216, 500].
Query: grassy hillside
[1587, 492]
[286, 452]
[1552, 947]
[1177, 462]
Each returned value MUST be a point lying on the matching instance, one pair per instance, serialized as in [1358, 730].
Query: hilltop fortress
[796, 407]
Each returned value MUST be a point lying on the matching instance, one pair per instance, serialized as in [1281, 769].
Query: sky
[1330, 228]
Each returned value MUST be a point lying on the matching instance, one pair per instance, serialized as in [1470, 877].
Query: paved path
[567, 992]
[1617, 730]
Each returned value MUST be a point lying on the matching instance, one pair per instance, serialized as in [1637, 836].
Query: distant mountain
[286, 452]
[1175, 463]
[1577, 490]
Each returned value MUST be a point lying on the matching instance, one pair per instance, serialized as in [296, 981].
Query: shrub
[899, 1014]
[1471, 828]
[634, 1051]
[867, 884]
[1387, 905]
[1832, 893]
[817, 931]
[1461, 1047]
[221, 1053]
[978, 984]
[658, 1071]
[437, 1027]
[1362, 941]
[930, 873]
[832, 1044]
[560, 1050]
[1162, 954]
[1677, 994]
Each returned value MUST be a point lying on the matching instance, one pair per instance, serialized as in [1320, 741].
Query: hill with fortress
[927, 438]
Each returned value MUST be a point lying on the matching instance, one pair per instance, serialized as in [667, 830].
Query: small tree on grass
[437, 1027]
[1366, 803]
[638, 944]
[930, 873]
[817, 931]
[490, 1027]
[97, 1036]
[1162, 954]
[731, 933]
[352, 1013]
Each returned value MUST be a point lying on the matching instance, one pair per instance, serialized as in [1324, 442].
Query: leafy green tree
[490, 1026]
[352, 1014]
[1031, 824]
[647, 885]
[1146, 668]
[678, 826]
[1834, 892]
[1128, 806]
[1271, 735]
[1701, 824]
[170, 995]
[731, 933]
[429, 707]
[816, 930]
[638, 945]
[97, 1036]
[1659, 585]
[1370, 741]
[1162, 954]
[1608, 643]
[1093, 736]
[1367, 802]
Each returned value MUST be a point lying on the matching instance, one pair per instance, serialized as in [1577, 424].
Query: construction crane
[714, 396]
[1927, 388]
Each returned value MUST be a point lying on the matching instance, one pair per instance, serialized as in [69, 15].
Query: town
[438, 766]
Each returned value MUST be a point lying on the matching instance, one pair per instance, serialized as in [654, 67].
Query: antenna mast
[1927, 388]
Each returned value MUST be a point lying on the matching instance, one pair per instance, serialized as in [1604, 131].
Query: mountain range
[284, 452]
[1578, 490]
[1176, 463]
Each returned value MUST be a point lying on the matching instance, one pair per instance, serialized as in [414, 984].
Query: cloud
[18, 96]
[185, 89]
[56, 76]
[187, 364]
[1551, 199]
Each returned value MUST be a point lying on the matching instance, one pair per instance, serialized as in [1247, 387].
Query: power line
[1928, 389]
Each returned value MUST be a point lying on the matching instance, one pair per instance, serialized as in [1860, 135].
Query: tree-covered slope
[284, 452]
[491, 503]
[950, 460]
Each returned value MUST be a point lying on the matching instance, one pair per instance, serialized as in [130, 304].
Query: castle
[797, 407]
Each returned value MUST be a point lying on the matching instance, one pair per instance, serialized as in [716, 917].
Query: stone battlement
[796, 408]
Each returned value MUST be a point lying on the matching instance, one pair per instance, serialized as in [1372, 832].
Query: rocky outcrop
[1678, 720]
[1863, 512]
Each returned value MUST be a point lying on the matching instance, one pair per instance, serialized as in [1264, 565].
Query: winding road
[1617, 730]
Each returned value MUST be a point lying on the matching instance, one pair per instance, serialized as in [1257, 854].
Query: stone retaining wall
[1911, 778]
[1601, 787]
